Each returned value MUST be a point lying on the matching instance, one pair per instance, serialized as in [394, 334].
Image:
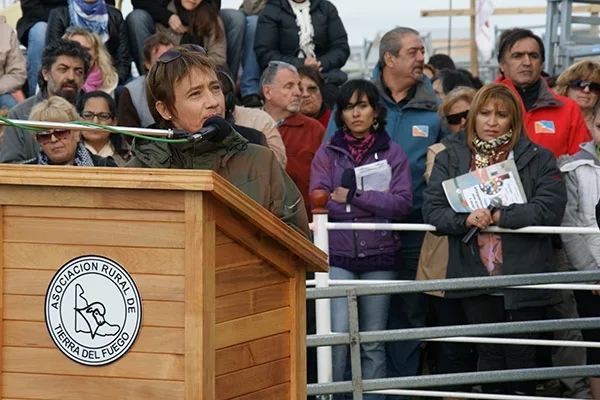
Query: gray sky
[364, 18]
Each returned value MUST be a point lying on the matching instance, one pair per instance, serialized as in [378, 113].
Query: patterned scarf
[486, 154]
[307, 32]
[82, 157]
[91, 16]
[359, 147]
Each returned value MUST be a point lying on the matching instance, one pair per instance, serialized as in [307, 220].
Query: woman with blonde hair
[103, 75]
[581, 83]
[494, 133]
[62, 146]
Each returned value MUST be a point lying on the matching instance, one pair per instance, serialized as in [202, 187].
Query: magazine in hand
[375, 176]
[476, 189]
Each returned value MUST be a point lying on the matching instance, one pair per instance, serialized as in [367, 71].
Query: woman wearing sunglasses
[62, 146]
[581, 83]
[183, 91]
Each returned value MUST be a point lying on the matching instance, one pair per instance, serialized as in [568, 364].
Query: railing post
[354, 332]
[323, 306]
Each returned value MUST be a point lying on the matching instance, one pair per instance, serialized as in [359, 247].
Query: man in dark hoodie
[147, 13]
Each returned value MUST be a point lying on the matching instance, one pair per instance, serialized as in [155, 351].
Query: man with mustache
[301, 135]
[554, 122]
[65, 65]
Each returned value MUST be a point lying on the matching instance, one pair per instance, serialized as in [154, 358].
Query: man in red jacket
[552, 121]
[302, 135]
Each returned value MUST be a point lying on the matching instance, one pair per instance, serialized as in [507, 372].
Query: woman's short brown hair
[164, 76]
[463, 93]
[587, 70]
[504, 97]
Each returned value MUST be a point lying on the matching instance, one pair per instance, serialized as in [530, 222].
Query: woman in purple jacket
[362, 140]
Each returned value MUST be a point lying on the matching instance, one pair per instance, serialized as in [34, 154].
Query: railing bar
[365, 226]
[461, 395]
[531, 342]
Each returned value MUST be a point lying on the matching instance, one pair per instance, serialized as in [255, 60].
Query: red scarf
[359, 147]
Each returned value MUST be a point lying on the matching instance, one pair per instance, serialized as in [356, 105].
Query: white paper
[375, 176]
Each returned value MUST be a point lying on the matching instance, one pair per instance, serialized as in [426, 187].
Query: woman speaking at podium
[183, 92]
[495, 133]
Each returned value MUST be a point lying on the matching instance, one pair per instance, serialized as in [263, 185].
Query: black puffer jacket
[545, 190]
[277, 35]
[117, 45]
[34, 11]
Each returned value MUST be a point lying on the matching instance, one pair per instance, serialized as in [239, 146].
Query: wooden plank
[199, 296]
[156, 313]
[133, 259]
[242, 304]
[278, 392]
[256, 378]
[150, 339]
[151, 287]
[91, 197]
[167, 367]
[233, 253]
[298, 336]
[250, 236]
[222, 238]
[504, 11]
[51, 387]
[248, 277]
[106, 233]
[252, 353]
[253, 327]
[96, 213]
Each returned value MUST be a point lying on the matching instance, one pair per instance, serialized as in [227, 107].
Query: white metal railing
[321, 227]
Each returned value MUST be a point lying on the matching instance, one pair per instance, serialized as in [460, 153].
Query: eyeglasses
[174, 54]
[454, 119]
[44, 137]
[102, 116]
[310, 89]
[580, 84]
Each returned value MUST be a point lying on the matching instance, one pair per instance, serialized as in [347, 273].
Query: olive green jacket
[252, 169]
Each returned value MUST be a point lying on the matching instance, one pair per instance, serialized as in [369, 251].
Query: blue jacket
[415, 127]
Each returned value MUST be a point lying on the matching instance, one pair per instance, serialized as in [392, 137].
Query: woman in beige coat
[13, 71]
[450, 357]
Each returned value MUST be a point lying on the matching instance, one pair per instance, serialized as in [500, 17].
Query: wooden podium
[221, 280]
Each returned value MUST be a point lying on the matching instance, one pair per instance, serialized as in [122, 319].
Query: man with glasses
[554, 122]
[65, 65]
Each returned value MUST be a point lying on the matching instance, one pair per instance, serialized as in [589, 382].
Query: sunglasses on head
[454, 119]
[44, 137]
[580, 84]
[174, 54]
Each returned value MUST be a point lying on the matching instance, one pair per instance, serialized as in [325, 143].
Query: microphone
[215, 129]
[349, 182]
[494, 203]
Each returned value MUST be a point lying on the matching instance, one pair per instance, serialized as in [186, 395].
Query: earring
[375, 125]
[169, 118]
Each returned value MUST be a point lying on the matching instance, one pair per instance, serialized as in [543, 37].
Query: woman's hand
[496, 217]
[313, 62]
[479, 218]
[340, 195]
[596, 292]
[176, 25]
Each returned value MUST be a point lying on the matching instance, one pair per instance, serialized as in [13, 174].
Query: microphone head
[495, 202]
[220, 126]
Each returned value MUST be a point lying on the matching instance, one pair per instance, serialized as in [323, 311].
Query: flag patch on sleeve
[420, 130]
[544, 127]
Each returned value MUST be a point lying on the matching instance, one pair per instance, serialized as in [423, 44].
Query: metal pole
[450, 29]
[474, 61]
[68, 125]
[323, 306]
[354, 332]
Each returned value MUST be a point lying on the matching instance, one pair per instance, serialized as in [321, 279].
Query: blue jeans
[251, 69]
[7, 101]
[372, 315]
[35, 45]
[235, 26]
[140, 26]
[407, 310]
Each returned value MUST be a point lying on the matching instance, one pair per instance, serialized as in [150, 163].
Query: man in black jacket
[31, 29]
[147, 13]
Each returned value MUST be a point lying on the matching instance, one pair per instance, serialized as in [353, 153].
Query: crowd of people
[272, 73]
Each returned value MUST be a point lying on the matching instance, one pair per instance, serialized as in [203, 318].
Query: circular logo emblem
[93, 310]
